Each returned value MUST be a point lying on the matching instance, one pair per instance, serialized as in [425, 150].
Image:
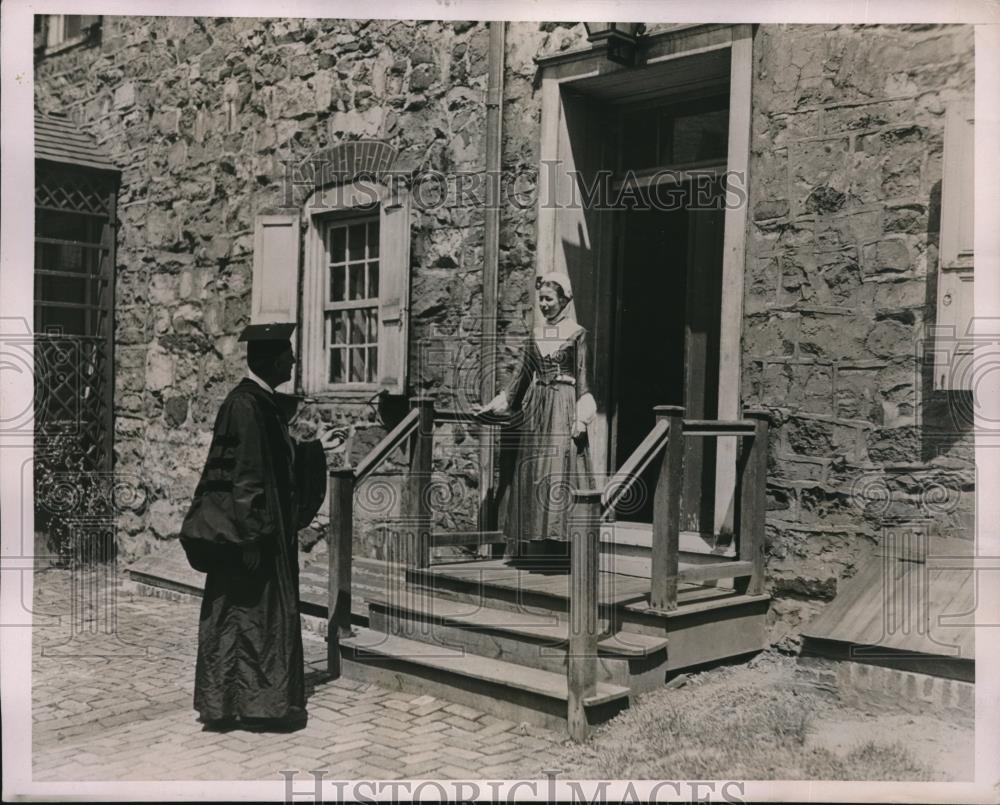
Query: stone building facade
[840, 248]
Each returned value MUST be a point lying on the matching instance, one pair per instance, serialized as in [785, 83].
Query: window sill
[345, 393]
[68, 44]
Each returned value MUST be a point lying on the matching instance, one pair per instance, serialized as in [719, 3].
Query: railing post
[340, 550]
[419, 482]
[581, 660]
[753, 504]
[667, 512]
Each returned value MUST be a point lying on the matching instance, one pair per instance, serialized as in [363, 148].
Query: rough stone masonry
[844, 194]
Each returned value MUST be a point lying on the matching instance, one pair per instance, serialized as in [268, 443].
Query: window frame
[51, 37]
[324, 224]
[351, 201]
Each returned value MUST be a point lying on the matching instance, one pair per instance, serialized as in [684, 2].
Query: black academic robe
[258, 488]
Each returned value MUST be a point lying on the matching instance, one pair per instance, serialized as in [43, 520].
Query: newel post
[340, 556]
[419, 483]
[667, 512]
[581, 660]
[753, 503]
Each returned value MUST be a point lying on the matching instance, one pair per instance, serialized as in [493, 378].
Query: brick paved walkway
[107, 709]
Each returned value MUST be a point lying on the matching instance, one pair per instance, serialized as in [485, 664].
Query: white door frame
[564, 69]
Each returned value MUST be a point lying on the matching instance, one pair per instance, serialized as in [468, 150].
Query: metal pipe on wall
[491, 262]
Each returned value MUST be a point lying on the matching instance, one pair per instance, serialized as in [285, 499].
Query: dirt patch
[753, 722]
[947, 749]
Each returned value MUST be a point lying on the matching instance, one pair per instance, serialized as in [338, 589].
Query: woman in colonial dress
[550, 405]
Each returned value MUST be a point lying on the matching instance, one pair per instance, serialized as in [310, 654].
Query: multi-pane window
[54, 32]
[352, 300]
[679, 133]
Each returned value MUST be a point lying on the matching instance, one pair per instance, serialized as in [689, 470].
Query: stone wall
[202, 115]
[844, 198]
[845, 181]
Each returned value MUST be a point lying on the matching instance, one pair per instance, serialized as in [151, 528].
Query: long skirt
[543, 464]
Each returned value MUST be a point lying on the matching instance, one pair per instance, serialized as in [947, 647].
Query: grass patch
[752, 732]
[869, 761]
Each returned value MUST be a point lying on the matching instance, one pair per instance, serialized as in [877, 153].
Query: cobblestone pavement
[120, 708]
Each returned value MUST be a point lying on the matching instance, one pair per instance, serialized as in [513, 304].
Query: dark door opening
[667, 339]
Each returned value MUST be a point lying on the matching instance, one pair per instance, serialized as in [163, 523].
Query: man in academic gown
[258, 488]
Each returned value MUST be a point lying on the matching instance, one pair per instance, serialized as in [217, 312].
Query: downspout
[491, 264]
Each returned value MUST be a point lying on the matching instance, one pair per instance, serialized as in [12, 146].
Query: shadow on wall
[947, 416]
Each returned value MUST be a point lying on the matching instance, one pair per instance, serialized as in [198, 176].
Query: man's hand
[251, 558]
[333, 438]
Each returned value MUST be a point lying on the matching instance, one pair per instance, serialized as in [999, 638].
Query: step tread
[725, 599]
[517, 623]
[640, 535]
[495, 574]
[455, 661]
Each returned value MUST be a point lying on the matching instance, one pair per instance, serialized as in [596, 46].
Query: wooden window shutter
[955, 305]
[274, 295]
[394, 291]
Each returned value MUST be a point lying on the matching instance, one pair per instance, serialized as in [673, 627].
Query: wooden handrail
[392, 440]
[666, 439]
[622, 481]
[753, 504]
[416, 501]
[667, 513]
[655, 441]
[719, 427]
[581, 659]
[340, 558]
[340, 548]
[453, 415]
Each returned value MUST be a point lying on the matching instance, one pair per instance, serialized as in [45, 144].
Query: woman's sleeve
[518, 385]
[586, 406]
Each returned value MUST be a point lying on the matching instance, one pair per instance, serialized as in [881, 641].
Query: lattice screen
[74, 308]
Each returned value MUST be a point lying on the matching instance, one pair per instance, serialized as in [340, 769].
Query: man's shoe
[295, 719]
[224, 724]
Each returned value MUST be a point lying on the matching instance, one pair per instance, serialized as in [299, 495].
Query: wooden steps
[623, 598]
[370, 577]
[505, 689]
[495, 637]
[710, 623]
[467, 617]
[531, 640]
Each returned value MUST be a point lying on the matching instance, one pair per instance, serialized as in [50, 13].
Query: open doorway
[667, 266]
[658, 288]
[669, 292]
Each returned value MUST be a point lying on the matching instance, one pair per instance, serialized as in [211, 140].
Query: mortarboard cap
[276, 331]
